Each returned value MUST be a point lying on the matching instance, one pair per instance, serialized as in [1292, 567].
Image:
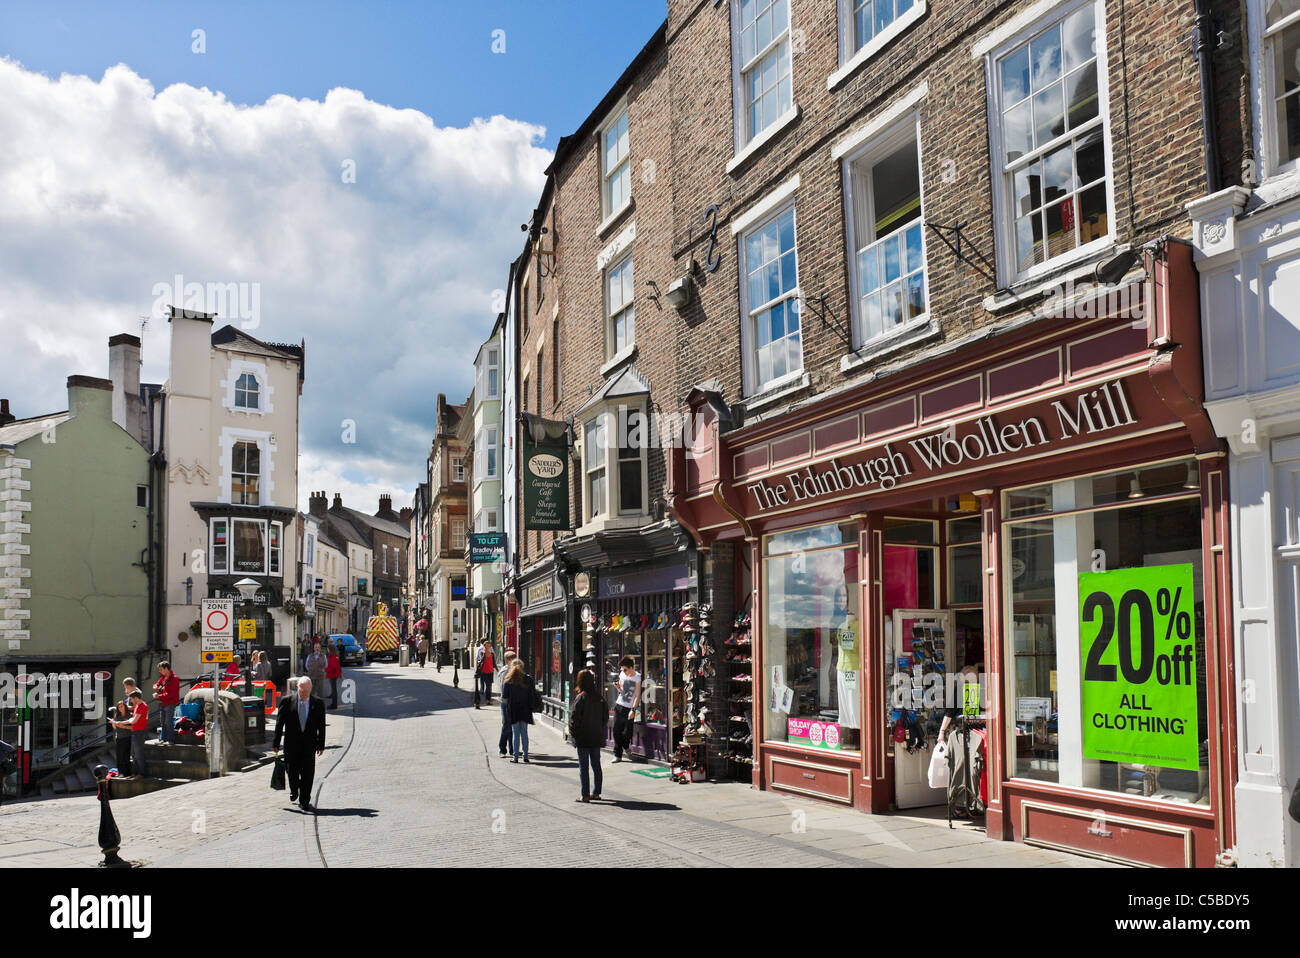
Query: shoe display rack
[692, 763]
[739, 735]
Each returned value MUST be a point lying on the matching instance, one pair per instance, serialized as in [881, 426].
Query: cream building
[229, 436]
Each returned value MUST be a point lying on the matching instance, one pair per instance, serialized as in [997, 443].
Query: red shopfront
[969, 516]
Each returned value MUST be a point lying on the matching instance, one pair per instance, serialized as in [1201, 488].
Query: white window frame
[492, 446]
[224, 567]
[258, 446]
[879, 147]
[255, 391]
[275, 554]
[1263, 39]
[853, 56]
[608, 208]
[265, 391]
[608, 460]
[749, 346]
[628, 306]
[385, 554]
[745, 138]
[491, 520]
[1003, 216]
[457, 534]
[457, 468]
[592, 464]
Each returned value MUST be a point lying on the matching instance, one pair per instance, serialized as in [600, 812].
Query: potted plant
[294, 608]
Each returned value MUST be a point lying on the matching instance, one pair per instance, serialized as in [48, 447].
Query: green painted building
[74, 554]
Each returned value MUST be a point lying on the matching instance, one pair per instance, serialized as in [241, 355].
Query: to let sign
[487, 547]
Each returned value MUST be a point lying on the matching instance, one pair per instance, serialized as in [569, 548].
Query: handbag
[534, 699]
[277, 775]
[937, 774]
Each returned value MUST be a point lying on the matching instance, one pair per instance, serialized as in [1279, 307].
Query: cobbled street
[411, 777]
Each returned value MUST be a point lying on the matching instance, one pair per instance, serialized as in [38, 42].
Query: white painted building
[229, 434]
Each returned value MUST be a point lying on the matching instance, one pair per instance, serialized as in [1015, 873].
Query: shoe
[526, 762]
[503, 754]
[515, 760]
[306, 806]
[595, 798]
[617, 759]
[584, 799]
[293, 796]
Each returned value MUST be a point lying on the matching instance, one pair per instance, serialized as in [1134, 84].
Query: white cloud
[111, 187]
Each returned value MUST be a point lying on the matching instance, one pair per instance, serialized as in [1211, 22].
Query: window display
[1107, 633]
[811, 638]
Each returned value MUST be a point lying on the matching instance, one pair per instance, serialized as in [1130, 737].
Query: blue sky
[127, 159]
[433, 56]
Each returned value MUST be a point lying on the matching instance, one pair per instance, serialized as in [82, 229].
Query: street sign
[247, 629]
[218, 625]
[211, 658]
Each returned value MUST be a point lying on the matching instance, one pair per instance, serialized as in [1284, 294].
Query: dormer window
[246, 392]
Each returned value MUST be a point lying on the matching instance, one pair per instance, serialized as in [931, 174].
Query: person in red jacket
[137, 725]
[333, 672]
[167, 690]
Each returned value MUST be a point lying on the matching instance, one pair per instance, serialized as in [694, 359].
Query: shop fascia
[1098, 410]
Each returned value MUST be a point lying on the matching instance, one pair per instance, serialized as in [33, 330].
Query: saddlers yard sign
[1096, 411]
[546, 483]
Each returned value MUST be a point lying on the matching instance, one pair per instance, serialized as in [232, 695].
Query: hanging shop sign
[582, 585]
[487, 547]
[813, 734]
[951, 448]
[546, 484]
[1138, 645]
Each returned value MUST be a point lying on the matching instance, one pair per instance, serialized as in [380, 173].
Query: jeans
[137, 752]
[505, 728]
[518, 734]
[623, 727]
[334, 693]
[589, 757]
[168, 731]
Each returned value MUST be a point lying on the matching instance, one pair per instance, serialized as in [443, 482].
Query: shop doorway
[933, 636]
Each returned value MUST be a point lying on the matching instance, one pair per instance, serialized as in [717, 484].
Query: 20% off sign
[1138, 647]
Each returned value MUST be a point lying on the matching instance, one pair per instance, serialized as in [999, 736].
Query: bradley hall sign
[1098, 410]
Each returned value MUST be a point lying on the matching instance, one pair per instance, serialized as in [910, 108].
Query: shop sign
[813, 734]
[487, 547]
[673, 578]
[546, 484]
[1085, 414]
[1138, 646]
[541, 592]
[582, 585]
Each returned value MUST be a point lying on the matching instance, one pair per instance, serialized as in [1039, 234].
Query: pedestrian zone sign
[218, 626]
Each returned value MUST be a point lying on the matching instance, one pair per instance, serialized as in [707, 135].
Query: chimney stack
[405, 515]
[6, 417]
[124, 371]
[317, 504]
[338, 501]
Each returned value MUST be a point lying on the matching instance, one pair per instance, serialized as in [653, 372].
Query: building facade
[447, 528]
[228, 420]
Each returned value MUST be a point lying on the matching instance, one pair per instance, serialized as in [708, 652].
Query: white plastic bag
[938, 773]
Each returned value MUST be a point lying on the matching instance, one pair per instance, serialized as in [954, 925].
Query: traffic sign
[218, 625]
[247, 629]
[211, 658]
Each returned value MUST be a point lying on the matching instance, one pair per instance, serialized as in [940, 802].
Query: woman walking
[587, 729]
[422, 648]
[333, 672]
[519, 709]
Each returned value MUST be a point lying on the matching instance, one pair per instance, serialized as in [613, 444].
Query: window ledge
[611, 523]
[760, 141]
[778, 392]
[876, 44]
[1031, 291]
[1277, 188]
[916, 332]
[618, 359]
[608, 222]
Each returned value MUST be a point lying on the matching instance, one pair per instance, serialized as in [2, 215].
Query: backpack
[535, 703]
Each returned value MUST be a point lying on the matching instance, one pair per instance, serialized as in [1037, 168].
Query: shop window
[886, 233]
[249, 539]
[811, 638]
[1281, 57]
[965, 561]
[770, 294]
[1106, 634]
[1051, 164]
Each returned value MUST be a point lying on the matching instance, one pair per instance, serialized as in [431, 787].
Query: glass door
[917, 660]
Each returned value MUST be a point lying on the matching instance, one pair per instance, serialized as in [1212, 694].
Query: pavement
[411, 776]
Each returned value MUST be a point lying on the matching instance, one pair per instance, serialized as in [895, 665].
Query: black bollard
[110, 839]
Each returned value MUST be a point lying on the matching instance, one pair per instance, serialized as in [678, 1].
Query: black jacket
[587, 721]
[296, 738]
[518, 701]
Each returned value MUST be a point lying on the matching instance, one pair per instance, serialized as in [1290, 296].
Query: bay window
[593, 461]
[614, 463]
[1281, 31]
[219, 548]
[1051, 151]
[249, 545]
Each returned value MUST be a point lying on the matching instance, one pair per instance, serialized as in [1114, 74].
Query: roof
[324, 537]
[374, 522]
[345, 529]
[237, 339]
[627, 383]
[20, 429]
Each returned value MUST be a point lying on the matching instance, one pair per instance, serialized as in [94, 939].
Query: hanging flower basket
[294, 608]
[195, 628]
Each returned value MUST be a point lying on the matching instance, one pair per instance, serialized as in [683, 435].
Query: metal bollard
[110, 839]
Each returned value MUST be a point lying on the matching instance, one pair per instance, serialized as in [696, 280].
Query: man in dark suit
[300, 719]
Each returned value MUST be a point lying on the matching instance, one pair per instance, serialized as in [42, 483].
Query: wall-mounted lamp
[1134, 488]
[679, 291]
[1193, 480]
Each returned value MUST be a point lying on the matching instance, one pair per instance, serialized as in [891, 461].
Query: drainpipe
[1203, 46]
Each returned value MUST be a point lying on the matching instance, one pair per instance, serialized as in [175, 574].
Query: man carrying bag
[300, 720]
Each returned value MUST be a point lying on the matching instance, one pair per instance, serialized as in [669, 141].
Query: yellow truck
[381, 635]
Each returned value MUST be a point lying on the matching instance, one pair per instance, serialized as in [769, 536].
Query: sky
[358, 171]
